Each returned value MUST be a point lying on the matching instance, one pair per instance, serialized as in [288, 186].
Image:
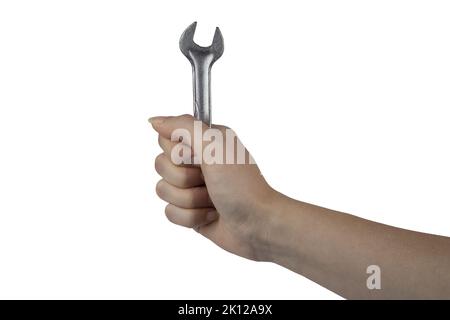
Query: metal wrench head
[193, 51]
[201, 58]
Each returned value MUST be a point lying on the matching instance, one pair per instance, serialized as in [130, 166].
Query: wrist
[273, 233]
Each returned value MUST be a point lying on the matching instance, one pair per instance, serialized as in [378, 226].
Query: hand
[227, 203]
[232, 205]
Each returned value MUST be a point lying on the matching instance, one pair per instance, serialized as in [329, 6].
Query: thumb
[172, 128]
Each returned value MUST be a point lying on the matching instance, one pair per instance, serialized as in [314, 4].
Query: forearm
[334, 249]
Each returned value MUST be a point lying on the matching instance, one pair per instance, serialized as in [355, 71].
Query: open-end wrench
[202, 59]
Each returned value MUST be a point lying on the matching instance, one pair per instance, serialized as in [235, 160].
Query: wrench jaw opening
[201, 59]
[189, 48]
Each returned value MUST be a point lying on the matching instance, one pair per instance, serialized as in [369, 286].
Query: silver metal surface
[202, 59]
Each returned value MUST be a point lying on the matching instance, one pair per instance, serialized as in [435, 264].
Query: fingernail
[211, 216]
[156, 120]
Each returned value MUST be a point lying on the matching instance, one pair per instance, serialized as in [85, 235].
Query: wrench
[201, 59]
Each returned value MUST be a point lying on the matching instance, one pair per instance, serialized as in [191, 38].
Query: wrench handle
[201, 77]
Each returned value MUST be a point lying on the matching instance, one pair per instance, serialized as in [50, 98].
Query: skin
[234, 207]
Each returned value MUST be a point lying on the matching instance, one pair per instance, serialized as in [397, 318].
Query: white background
[342, 103]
